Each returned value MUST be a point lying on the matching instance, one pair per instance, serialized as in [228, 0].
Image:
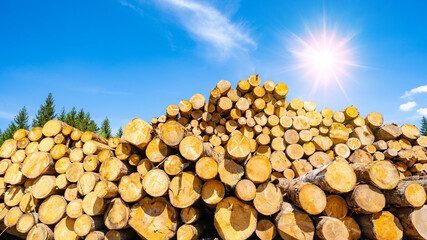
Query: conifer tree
[424, 126]
[92, 126]
[119, 132]
[105, 130]
[21, 120]
[45, 113]
[63, 115]
[71, 117]
[8, 133]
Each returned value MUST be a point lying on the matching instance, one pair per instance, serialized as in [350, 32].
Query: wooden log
[301, 167]
[381, 225]
[364, 134]
[52, 209]
[117, 215]
[292, 223]
[35, 134]
[258, 169]
[305, 195]
[53, 127]
[174, 164]
[106, 189]
[40, 231]
[4, 165]
[44, 186]
[156, 183]
[71, 192]
[184, 190]
[406, 194]
[93, 147]
[58, 151]
[413, 221]
[14, 174]
[154, 219]
[366, 199]
[13, 195]
[280, 91]
[230, 172]
[245, 190]
[61, 181]
[18, 156]
[65, 229]
[338, 133]
[138, 133]
[206, 168]
[190, 231]
[60, 139]
[352, 227]
[90, 136]
[238, 147]
[112, 169]
[213, 191]
[322, 143]
[353, 143]
[337, 177]
[234, 219]
[342, 150]
[388, 132]
[279, 161]
[191, 148]
[331, 228]
[75, 208]
[74, 172]
[268, 199]
[87, 182]
[12, 217]
[157, 150]
[93, 204]
[32, 147]
[360, 156]
[410, 132]
[336, 207]
[374, 120]
[28, 203]
[36, 164]
[265, 229]
[319, 159]
[26, 222]
[130, 188]
[9, 147]
[172, 133]
[382, 174]
[190, 215]
[86, 224]
[294, 151]
[91, 163]
[23, 143]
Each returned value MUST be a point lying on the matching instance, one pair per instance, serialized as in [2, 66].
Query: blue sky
[131, 58]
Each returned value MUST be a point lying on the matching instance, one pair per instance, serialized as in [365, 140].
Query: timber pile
[245, 164]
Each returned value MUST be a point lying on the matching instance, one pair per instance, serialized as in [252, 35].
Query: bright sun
[324, 56]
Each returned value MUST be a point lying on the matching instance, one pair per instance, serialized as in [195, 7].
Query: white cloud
[206, 24]
[422, 111]
[420, 89]
[6, 115]
[407, 106]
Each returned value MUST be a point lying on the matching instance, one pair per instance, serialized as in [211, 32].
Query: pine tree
[81, 121]
[424, 126]
[71, 117]
[119, 132]
[92, 126]
[8, 133]
[105, 130]
[45, 113]
[21, 120]
[63, 115]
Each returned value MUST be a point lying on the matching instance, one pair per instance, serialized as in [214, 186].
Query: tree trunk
[413, 221]
[382, 174]
[154, 219]
[336, 177]
[406, 194]
[304, 195]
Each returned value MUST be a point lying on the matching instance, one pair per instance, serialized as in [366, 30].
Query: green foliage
[45, 113]
[424, 126]
[119, 132]
[105, 130]
[71, 117]
[21, 120]
[63, 115]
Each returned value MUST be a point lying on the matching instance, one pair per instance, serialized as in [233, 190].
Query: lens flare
[324, 56]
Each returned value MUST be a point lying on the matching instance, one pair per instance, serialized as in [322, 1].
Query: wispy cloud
[206, 24]
[407, 106]
[422, 111]
[6, 115]
[420, 89]
[130, 5]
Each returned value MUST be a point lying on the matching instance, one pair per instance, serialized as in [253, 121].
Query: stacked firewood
[245, 163]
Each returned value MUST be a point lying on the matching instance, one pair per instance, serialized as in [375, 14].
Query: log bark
[406, 194]
[413, 221]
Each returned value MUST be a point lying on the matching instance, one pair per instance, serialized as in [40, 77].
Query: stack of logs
[245, 164]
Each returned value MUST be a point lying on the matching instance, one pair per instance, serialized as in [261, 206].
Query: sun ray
[324, 56]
